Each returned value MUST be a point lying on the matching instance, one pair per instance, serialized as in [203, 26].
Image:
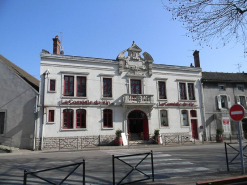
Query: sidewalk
[16, 151]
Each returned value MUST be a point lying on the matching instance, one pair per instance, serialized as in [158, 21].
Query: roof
[20, 72]
[224, 77]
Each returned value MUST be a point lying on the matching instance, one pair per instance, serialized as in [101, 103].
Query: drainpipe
[35, 121]
[203, 112]
[46, 73]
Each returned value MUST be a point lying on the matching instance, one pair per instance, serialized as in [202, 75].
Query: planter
[156, 139]
[219, 138]
[118, 141]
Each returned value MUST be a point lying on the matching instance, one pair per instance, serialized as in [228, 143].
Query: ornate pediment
[134, 64]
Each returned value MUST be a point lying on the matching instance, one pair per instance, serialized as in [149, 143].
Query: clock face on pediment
[134, 64]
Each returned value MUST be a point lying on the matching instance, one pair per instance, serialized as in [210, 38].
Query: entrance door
[194, 129]
[145, 130]
[138, 125]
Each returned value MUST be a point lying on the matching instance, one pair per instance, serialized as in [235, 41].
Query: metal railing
[48, 180]
[229, 137]
[234, 153]
[133, 167]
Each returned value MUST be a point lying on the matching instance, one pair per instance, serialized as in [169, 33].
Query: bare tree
[207, 20]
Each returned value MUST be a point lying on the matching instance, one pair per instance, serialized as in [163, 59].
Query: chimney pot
[56, 45]
[196, 58]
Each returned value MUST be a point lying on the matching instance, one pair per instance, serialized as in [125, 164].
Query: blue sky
[102, 29]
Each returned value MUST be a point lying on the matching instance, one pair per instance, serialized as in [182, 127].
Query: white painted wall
[94, 70]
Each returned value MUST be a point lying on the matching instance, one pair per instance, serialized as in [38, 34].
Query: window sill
[74, 97]
[107, 128]
[50, 123]
[187, 100]
[51, 91]
[73, 129]
[107, 98]
[165, 127]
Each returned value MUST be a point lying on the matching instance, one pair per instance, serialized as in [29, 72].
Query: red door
[194, 129]
[145, 129]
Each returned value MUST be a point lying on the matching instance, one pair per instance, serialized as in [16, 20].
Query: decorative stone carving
[134, 64]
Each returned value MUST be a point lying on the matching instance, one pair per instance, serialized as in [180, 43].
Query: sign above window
[178, 104]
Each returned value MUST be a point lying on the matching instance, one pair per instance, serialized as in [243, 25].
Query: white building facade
[90, 97]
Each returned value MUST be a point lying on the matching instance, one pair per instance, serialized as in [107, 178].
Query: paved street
[172, 165]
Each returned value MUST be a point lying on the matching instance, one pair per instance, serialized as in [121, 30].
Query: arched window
[184, 114]
[107, 118]
[163, 118]
[80, 118]
[193, 114]
[68, 118]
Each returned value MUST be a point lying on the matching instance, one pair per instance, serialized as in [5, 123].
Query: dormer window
[222, 87]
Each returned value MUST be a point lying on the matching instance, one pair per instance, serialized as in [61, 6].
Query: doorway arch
[138, 125]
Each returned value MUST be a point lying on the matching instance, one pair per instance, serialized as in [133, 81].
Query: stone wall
[76, 143]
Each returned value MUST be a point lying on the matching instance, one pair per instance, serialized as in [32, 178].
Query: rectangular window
[81, 86]
[182, 89]
[184, 114]
[135, 86]
[221, 87]
[223, 100]
[242, 101]
[81, 118]
[51, 116]
[68, 118]
[107, 118]
[191, 91]
[2, 118]
[162, 90]
[240, 88]
[163, 118]
[107, 87]
[68, 86]
[52, 85]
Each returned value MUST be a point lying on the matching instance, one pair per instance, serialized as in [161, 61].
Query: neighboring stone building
[221, 91]
[18, 105]
[85, 96]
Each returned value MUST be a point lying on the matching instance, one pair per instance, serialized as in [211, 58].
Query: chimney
[196, 58]
[56, 45]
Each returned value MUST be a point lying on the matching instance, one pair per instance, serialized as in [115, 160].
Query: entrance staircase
[135, 139]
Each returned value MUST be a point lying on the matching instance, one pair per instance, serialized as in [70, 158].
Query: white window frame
[102, 76]
[188, 118]
[49, 82]
[75, 75]
[186, 82]
[74, 119]
[238, 100]
[228, 101]
[47, 115]
[160, 119]
[102, 119]
[137, 78]
[157, 88]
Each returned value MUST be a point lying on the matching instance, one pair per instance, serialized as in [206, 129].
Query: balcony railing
[145, 99]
